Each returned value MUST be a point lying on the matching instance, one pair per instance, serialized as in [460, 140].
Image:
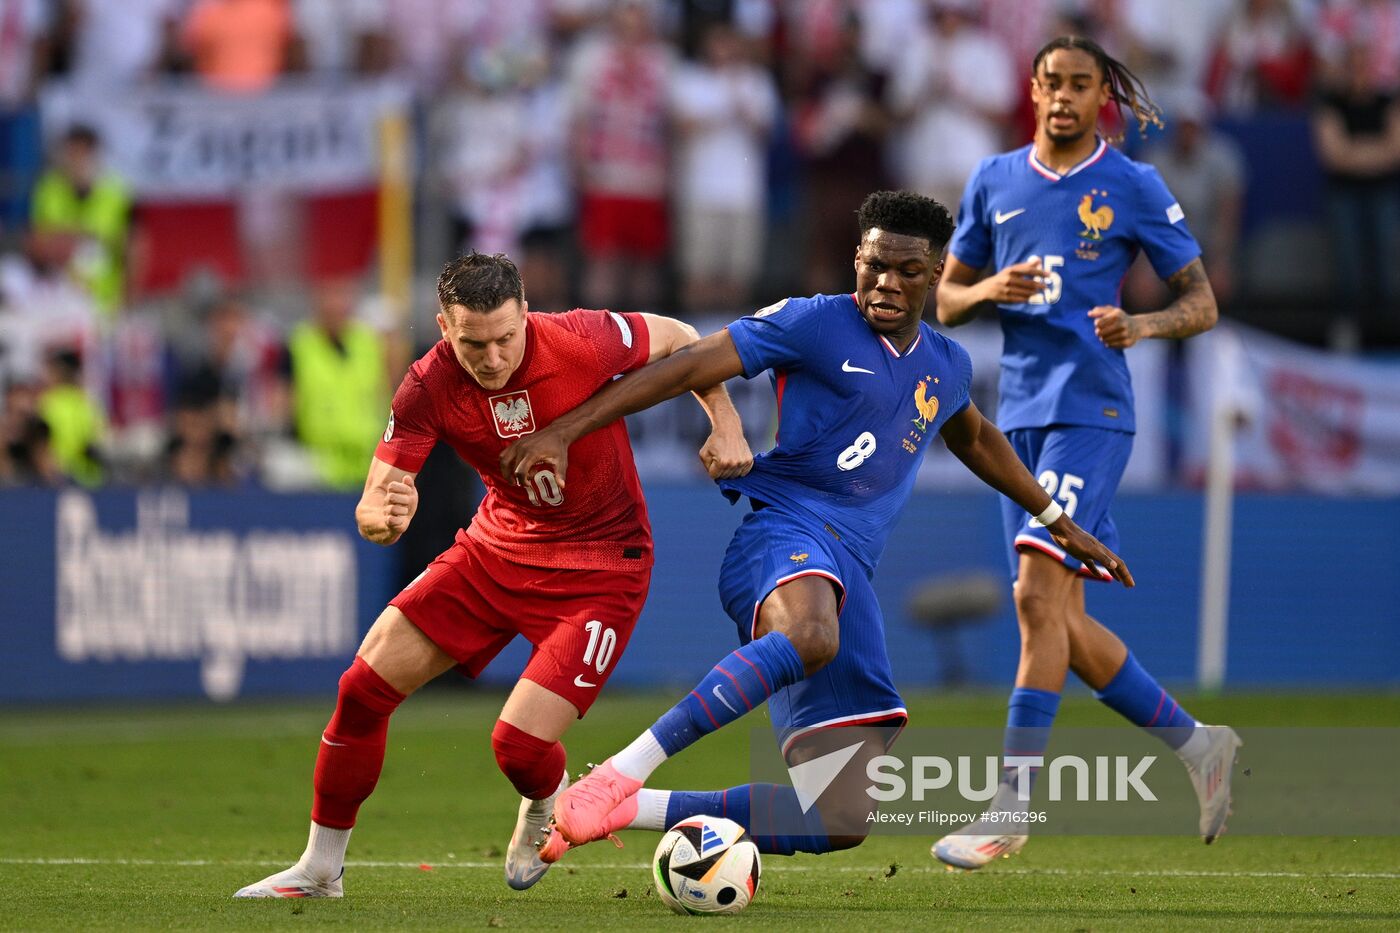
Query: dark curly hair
[1124, 87]
[909, 214]
[479, 282]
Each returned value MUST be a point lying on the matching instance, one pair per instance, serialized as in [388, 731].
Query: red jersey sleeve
[413, 426]
[621, 341]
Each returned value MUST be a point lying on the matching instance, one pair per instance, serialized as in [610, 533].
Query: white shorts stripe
[758, 604]
[843, 721]
[1059, 554]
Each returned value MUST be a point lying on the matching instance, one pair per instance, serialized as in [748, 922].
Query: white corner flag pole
[1226, 412]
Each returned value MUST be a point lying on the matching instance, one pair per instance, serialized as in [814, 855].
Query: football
[706, 865]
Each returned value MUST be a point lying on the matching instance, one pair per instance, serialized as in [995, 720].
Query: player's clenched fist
[1115, 327]
[400, 503]
[383, 521]
[726, 454]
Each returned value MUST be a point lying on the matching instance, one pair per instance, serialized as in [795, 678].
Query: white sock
[651, 810]
[639, 759]
[1196, 744]
[324, 857]
[1008, 798]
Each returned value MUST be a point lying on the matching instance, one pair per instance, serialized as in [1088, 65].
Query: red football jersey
[600, 521]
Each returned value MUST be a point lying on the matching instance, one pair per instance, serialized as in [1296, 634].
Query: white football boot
[978, 843]
[1210, 768]
[988, 837]
[524, 866]
[294, 882]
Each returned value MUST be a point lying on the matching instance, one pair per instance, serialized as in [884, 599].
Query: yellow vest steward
[76, 426]
[340, 397]
[104, 215]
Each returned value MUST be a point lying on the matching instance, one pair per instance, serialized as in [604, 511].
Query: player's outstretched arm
[961, 289]
[694, 367]
[388, 503]
[1194, 311]
[988, 454]
[726, 452]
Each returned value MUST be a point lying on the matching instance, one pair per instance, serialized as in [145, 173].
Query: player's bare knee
[816, 643]
[846, 816]
[1036, 607]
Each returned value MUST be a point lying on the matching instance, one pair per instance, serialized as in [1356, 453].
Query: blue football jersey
[854, 415]
[1087, 227]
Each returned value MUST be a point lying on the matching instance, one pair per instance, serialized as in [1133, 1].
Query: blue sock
[737, 684]
[1134, 695]
[770, 812]
[1029, 715]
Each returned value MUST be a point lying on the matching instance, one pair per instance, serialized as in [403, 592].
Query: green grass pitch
[150, 818]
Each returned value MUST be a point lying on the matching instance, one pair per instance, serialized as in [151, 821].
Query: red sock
[533, 765]
[352, 747]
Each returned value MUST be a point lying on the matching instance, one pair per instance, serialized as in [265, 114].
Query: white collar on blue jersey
[1053, 175]
[907, 350]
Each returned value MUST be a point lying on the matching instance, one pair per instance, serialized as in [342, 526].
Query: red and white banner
[181, 141]
[1309, 420]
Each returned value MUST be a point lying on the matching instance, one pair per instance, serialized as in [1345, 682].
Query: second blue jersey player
[1057, 224]
[862, 386]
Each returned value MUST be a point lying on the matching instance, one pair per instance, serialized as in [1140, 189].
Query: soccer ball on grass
[706, 865]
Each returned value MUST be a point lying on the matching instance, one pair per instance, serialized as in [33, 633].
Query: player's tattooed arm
[1194, 311]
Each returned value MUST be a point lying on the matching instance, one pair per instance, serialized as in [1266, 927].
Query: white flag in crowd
[1309, 420]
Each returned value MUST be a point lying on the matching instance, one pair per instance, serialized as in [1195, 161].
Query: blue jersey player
[862, 385]
[1058, 223]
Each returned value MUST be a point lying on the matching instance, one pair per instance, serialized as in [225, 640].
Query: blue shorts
[1080, 467]
[773, 547]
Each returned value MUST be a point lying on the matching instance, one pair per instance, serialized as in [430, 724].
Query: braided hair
[1124, 87]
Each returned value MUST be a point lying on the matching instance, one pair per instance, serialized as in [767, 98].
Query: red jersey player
[569, 572]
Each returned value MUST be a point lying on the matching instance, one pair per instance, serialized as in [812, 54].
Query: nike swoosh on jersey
[720, 695]
[846, 367]
[1001, 218]
[580, 682]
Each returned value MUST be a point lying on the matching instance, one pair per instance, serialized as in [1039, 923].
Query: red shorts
[617, 226]
[471, 602]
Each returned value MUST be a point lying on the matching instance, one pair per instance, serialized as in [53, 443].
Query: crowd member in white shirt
[724, 107]
[116, 45]
[953, 91]
[341, 37]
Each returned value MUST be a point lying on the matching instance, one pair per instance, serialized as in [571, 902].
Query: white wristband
[1052, 513]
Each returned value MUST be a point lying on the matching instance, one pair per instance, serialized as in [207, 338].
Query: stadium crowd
[693, 156]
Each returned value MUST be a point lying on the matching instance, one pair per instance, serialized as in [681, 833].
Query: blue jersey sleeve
[778, 337]
[1161, 225]
[963, 361]
[972, 240]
